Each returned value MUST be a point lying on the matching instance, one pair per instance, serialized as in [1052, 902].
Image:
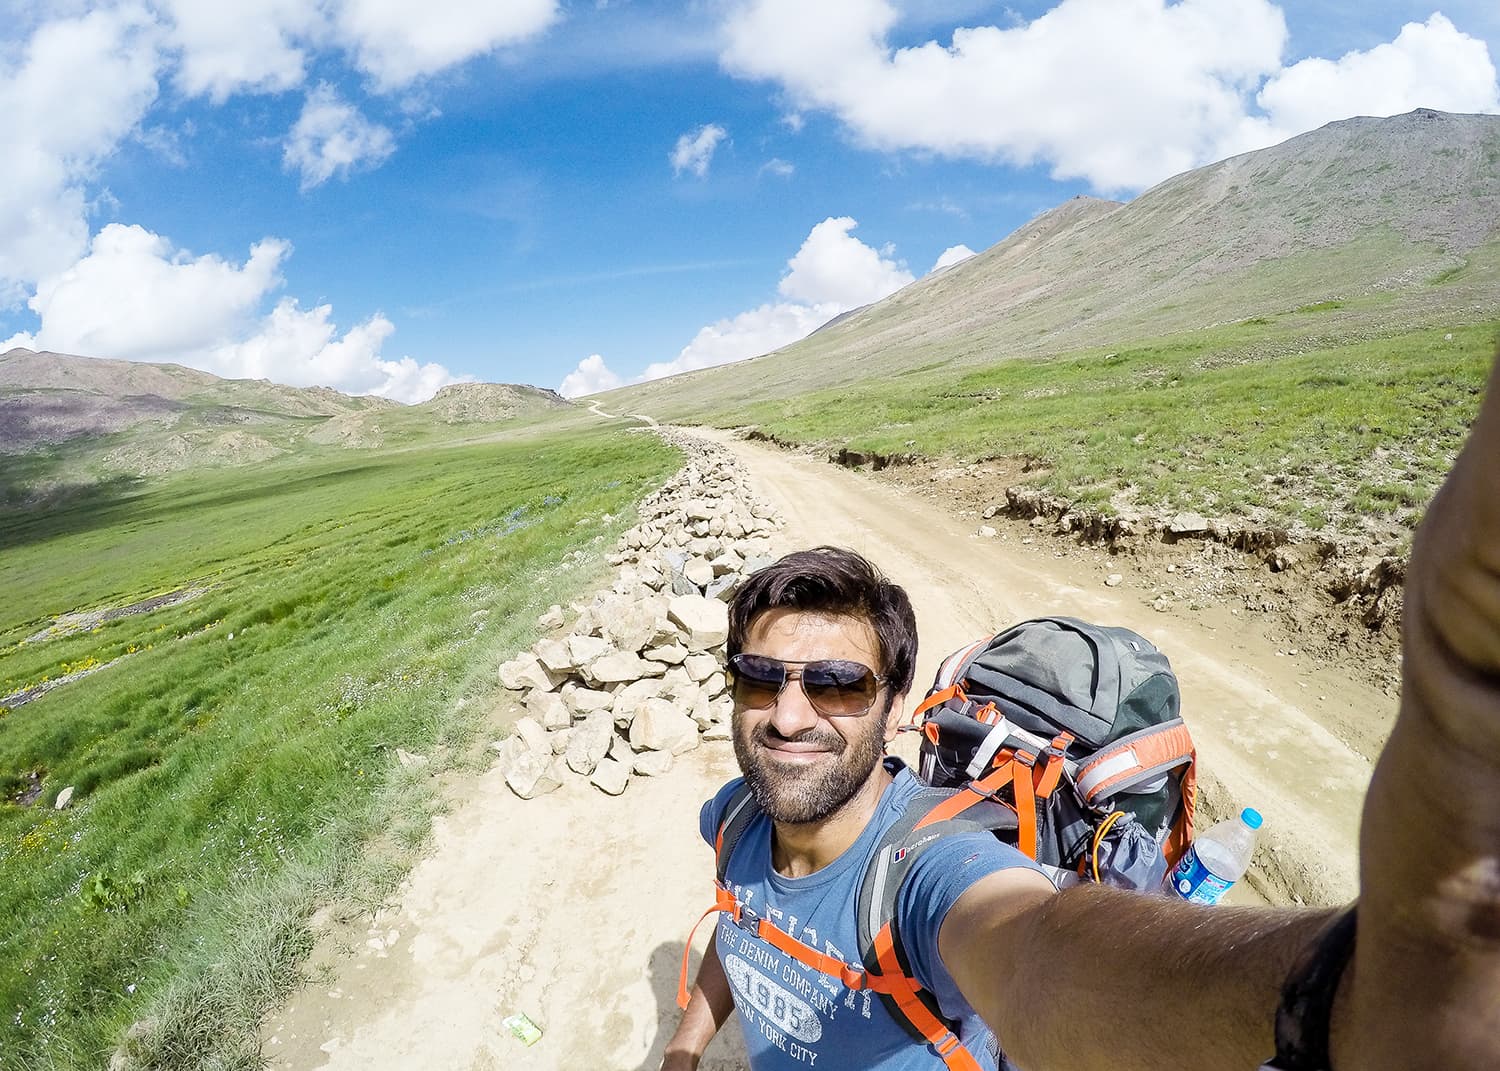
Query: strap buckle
[746, 918]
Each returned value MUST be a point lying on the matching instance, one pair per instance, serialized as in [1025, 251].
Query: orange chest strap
[851, 975]
[892, 982]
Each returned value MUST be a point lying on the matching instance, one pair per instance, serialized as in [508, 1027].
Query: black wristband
[1302, 1018]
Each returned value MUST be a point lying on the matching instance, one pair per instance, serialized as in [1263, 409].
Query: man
[821, 653]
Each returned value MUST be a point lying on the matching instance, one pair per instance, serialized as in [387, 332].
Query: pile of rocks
[639, 678]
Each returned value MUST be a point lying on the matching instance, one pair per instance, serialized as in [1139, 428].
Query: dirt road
[574, 908]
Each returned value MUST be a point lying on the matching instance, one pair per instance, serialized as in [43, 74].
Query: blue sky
[386, 197]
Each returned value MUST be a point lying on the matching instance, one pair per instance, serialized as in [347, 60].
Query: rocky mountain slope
[1396, 221]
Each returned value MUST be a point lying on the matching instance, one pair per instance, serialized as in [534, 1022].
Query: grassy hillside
[231, 748]
[67, 422]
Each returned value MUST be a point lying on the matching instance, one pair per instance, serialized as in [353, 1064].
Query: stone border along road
[641, 672]
[573, 908]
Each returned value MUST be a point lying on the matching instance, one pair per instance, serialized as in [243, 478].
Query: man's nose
[793, 714]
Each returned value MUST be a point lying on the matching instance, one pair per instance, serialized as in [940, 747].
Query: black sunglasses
[835, 687]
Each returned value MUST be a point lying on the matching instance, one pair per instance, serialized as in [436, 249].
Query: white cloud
[1428, 65]
[831, 273]
[397, 42]
[1120, 94]
[749, 334]
[951, 256]
[235, 45]
[778, 167]
[590, 377]
[694, 151]
[134, 297]
[331, 138]
[835, 268]
[67, 98]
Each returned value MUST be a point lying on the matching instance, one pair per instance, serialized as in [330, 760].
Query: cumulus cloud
[778, 167]
[331, 137]
[835, 268]
[1118, 94]
[135, 297]
[590, 377]
[831, 273]
[72, 92]
[749, 334]
[694, 151]
[397, 43]
[951, 256]
[1430, 64]
[253, 45]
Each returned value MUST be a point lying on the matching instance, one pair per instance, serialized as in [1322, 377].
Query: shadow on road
[725, 1053]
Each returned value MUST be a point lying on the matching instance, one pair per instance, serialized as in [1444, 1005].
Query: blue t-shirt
[795, 1017]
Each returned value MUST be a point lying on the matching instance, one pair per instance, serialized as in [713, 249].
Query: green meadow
[1335, 436]
[234, 760]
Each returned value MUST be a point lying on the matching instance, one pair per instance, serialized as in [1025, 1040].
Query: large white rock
[727, 561]
[533, 774]
[671, 654]
[631, 624]
[705, 622]
[716, 684]
[584, 649]
[552, 619]
[549, 709]
[584, 701]
[527, 671]
[623, 666]
[590, 742]
[699, 572]
[612, 776]
[532, 732]
[660, 726]
[553, 654]
[626, 699]
[652, 763]
[701, 666]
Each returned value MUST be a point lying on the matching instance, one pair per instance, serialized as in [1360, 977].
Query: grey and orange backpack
[1060, 737]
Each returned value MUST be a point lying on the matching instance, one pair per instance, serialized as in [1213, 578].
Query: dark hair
[833, 580]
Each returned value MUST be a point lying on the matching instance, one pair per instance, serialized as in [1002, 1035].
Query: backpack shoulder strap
[739, 811]
[931, 815]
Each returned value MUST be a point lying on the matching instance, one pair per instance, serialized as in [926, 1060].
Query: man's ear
[895, 716]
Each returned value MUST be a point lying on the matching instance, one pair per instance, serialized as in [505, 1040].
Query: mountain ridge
[1363, 212]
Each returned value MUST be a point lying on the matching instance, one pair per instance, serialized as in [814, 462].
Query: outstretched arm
[1095, 977]
[710, 1005]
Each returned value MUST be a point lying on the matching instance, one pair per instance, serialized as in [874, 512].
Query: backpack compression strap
[931, 815]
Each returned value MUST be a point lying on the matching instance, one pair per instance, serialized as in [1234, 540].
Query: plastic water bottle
[1218, 858]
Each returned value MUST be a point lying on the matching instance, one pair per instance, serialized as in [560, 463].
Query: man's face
[801, 765]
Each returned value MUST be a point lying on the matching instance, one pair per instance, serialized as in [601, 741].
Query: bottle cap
[1251, 818]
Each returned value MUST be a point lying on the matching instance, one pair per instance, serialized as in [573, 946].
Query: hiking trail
[573, 908]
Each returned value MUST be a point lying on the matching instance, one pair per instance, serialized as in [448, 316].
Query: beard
[795, 795]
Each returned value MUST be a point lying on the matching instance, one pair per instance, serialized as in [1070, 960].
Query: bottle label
[1197, 884]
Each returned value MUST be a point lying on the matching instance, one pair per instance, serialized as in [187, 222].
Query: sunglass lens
[838, 687]
[757, 681]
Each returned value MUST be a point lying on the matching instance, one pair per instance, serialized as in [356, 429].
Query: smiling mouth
[794, 751]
